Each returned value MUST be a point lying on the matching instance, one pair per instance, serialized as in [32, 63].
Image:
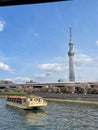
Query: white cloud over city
[84, 65]
[21, 79]
[41, 76]
[79, 57]
[51, 67]
[83, 58]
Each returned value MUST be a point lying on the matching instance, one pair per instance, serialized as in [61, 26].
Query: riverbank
[12, 93]
[4, 94]
[71, 98]
[61, 97]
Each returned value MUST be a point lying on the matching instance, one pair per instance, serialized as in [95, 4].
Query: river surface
[56, 116]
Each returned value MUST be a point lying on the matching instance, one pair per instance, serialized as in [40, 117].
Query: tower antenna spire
[70, 35]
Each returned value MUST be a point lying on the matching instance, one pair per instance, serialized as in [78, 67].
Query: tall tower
[71, 56]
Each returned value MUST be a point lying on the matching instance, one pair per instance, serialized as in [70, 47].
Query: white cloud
[83, 58]
[84, 65]
[40, 76]
[8, 79]
[21, 79]
[2, 25]
[5, 67]
[51, 67]
[97, 42]
[79, 57]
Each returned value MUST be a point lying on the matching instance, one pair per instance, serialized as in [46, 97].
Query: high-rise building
[71, 57]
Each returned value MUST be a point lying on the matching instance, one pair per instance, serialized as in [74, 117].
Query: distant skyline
[34, 41]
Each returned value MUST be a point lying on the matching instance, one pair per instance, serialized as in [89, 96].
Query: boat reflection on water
[36, 117]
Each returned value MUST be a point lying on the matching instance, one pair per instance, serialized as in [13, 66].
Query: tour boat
[26, 102]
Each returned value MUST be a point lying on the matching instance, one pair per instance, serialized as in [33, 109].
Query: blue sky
[34, 41]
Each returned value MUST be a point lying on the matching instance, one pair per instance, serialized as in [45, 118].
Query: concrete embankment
[72, 98]
[72, 101]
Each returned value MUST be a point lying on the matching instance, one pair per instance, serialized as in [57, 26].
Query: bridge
[41, 84]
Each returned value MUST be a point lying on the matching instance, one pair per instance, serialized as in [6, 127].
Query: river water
[56, 116]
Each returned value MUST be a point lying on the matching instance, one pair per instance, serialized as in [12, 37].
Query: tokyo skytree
[71, 61]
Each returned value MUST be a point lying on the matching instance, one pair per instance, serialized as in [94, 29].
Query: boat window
[37, 100]
[24, 100]
[8, 99]
[31, 99]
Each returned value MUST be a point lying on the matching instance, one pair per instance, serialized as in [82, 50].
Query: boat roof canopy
[23, 97]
